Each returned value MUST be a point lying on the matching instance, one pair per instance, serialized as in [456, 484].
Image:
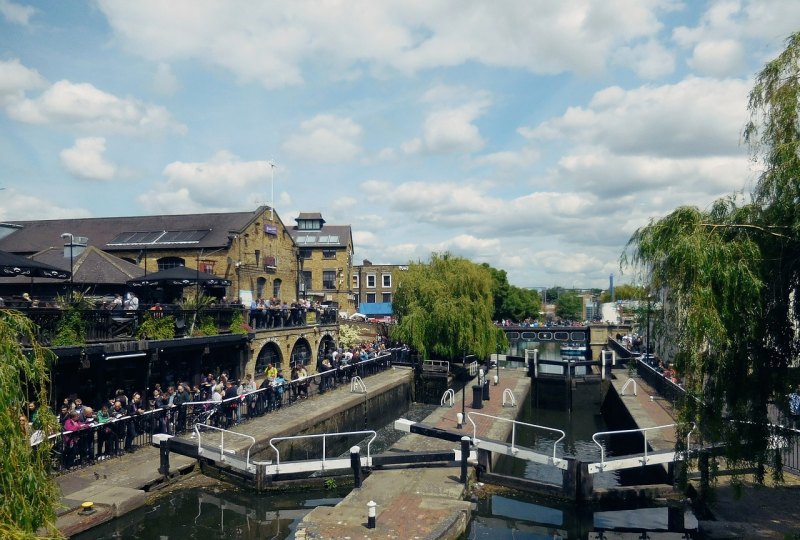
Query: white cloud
[650, 60]
[86, 159]
[257, 42]
[16, 13]
[15, 205]
[84, 106]
[690, 118]
[15, 80]
[222, 183]
[718, 58]
[326, 138]
[164, 81]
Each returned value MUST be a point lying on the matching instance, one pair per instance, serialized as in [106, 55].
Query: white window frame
[383, 280]
[372, 277]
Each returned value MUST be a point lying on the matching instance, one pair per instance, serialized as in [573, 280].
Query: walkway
[419, 503]
[119, 485]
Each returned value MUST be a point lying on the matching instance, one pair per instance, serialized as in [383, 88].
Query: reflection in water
[198, 514]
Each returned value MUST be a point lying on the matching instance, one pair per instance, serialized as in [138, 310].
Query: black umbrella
[12, 265]
[179, 276]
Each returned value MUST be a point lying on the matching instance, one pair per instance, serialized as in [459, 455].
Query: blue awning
[375, 309]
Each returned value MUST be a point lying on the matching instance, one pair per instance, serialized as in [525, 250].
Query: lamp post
[71, 269]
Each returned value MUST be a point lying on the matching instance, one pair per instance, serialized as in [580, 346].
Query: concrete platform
[418, 503]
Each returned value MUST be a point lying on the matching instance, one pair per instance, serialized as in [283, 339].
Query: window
[370, 297]
[170, 262]
[305, 281]
[305, 253]
[261, 284]
[207, 267]
[258, 256]
[329, 279]
[356, 281]
[371, 281]
[386, 279]
[357, 299]
[386, 297]
[276, 288]
[328, 253]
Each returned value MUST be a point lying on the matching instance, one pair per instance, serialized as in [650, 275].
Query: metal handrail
[510, 394]
[323, 436]
[513, 429]
[222, 441]
[643, 431]
[449, 398]
[357, 384]
[625, 386]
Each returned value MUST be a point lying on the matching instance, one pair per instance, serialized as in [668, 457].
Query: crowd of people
[114, 425]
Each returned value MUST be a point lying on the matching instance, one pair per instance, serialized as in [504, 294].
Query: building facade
[325, 259]
[375, 284]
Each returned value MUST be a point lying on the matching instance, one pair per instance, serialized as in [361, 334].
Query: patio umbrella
[179, 276]
[12, 265]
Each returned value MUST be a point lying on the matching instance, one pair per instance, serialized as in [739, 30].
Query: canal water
[233, 513]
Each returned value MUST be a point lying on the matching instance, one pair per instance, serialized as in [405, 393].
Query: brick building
[375, 284]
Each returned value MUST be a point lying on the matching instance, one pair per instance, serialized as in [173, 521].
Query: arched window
[276, 288]
[269, 354]
[261, 284]
[170, 262]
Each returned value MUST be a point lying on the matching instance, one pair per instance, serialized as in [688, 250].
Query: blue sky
[535, 135]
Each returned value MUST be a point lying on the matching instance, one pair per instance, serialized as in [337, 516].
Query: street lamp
[71, 269]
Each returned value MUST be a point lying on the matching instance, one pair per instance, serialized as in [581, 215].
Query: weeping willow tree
[728, 280]
[28, 495]
[444, 309]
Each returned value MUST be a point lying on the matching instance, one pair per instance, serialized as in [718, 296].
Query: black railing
[108, 325]
[72, 449]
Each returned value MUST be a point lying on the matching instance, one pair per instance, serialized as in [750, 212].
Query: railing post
[355, 463]
[464, 458]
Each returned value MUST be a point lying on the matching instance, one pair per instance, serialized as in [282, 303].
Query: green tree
[445, 307]
[624, 292]
[729, 280]
[28, 495]
[511, 302]
[569, 306]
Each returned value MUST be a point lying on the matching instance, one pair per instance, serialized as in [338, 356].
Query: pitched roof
[91, 266]
[332, 236]
[188, 230]
[309, 215]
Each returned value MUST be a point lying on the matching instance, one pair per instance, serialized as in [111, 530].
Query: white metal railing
[514, 424]
[448, 399]
[222, 449]
[644, 460]
[625, 386]
[324, 437]
[357, 385]
[511, 399]
[473, 368]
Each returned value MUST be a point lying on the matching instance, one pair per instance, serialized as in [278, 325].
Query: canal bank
[119, 485]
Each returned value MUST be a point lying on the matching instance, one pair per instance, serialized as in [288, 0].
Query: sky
[533, 135]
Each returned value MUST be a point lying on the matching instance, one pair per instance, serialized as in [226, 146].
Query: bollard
[496, 380]
[460, 420]
[486, 390]
[371, 514]
[464, 458]
[163, 449]
[477, 400]
[355, 463]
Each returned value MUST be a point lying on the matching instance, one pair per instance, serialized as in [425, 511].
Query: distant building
[325, 255]
[374, 286]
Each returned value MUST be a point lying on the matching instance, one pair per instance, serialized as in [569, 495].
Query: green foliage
[330, 483]
[28, 495]
[445, 308]
[194, 302]
[623, 292]
[729, 279]
[238, 324]
[70, 328]
[511, 302]
[206, 327]
[349, 336]
[156, 326]
[569, 306]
